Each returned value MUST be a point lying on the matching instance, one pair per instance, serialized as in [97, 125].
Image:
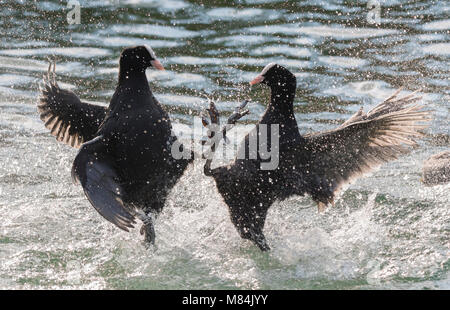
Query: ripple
[437, 49]
[154, 30]
[239, 40]
[337, 32]
[231, 13]
[76, 52]
[121, 41]
[437, 25]
[375, 91]
[192, 60]
[172, 79]
[12, 79]
[282, 50]
[341, 61]
[162, 5]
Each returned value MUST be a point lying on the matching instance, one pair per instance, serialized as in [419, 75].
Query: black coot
[436, 169]
[317, 164]
[124, 163]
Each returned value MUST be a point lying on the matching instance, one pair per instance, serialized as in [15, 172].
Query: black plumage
[68, 118]
[316, 164]
[124, 163]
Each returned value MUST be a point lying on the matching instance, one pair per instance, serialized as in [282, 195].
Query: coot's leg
[147, 229]
[239, 112]
[261, 243]
[213, 128]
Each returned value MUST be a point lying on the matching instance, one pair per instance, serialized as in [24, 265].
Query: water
[386, 231]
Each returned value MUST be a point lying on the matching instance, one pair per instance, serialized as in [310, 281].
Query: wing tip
[100, 187]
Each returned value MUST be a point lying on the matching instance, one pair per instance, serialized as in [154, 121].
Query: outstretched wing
[70, 120]
[95, 171]
[365, 141]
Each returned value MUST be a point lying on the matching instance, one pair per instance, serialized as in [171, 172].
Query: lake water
[386, 231]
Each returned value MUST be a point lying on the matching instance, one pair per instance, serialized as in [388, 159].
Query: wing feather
[98, 177]
[65, 115]
[361, 144]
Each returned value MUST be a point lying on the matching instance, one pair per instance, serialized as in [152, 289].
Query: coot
[124, 163]
[436, 169]
[317, 164]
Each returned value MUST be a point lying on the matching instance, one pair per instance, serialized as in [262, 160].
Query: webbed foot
[239, 112]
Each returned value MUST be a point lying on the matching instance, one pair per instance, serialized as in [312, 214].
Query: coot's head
[139, 58]
[276, 76]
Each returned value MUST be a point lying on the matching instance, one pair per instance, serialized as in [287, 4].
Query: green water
[386, 231]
